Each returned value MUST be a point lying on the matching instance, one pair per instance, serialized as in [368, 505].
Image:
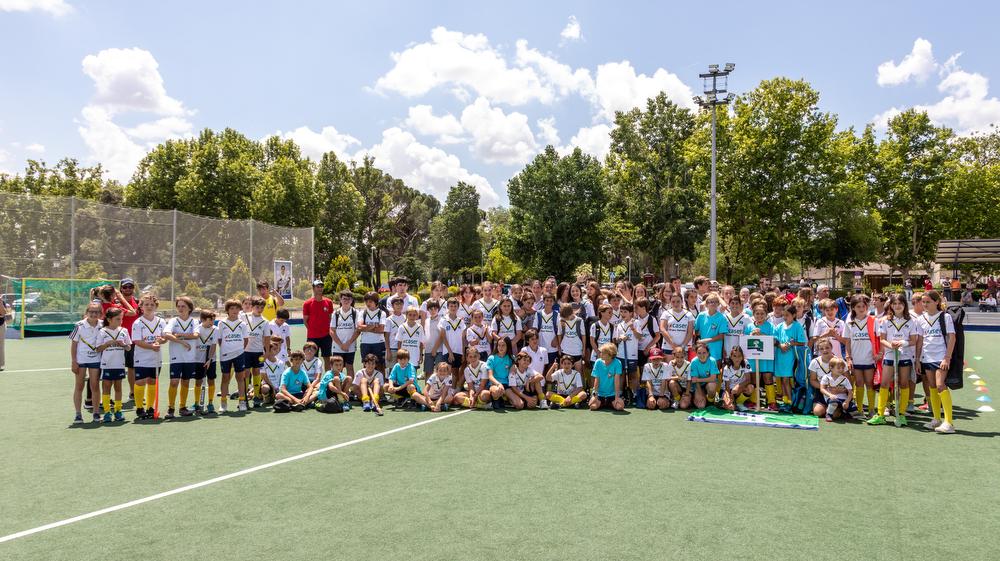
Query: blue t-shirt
[708, 326]
[399, 375]
[784, 361]
[766, 329]
[294, 381]
[323, 383]
[705, 369]
[605, 375]
[500, 365]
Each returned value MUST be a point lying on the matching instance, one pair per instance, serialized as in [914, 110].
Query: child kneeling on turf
[273, 368]
[704, 377]
[655, 376]
[568, 384]
[476, 378]
[607, 376]
[294, 392]
[837, 389]
[335, 382]
[736, 381]
[520, 384]
[439, 391]
[368, 384]
[679, 383]
[403, 382]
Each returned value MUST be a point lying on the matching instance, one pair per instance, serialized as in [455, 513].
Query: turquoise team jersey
[500, 365]
[400, 375]
[605, 374]
[294, 381]
[766, 329]
[705, 369]
[784, 363]
[708, 326]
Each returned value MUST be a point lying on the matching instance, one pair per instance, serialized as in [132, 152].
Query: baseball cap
[655, 352]
[127, 280]
[317, 282]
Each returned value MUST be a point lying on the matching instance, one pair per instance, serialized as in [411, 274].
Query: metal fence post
[250, 259]
[72, 238]
[312, 254]
[173, 256]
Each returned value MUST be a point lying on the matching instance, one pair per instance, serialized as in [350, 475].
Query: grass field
[489, 485]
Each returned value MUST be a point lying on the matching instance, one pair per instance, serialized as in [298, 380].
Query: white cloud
[161, 129]
[881, 121]
[109, 144]
[595, 140]
[918, 66]
[572, 30]
[498, 137]
[429, 169]
[315, 144]
[547, 131]
[35, 148]
[53, 7]
[466, 62]
[446, 128]
[619, 88]
[555, 74]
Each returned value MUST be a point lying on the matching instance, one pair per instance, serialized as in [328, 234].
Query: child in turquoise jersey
[294, 385]
[711, 327]
[704, 376]
[403, 384]
[788, 335]
[607, 380]
[330, 385]
[498, 367]
[761, 326]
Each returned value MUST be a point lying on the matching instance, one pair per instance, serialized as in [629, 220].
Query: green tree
[556, 204]
[340, 210]
[412, 268]
[454, 235]
[287, 192]
[501, 268]
[339, 268]
[239, 279]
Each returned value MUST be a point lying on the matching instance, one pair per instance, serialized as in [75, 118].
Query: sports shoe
[900, 420]
[88, 406]
[242, 407]
[222, 408]
[933, 424]
[772, 407]
[829, 419]
[877, 420]
[910, 408]
[197, 408]
[298, 407]
[444, 407]
[675, 405]
[107, 417]
[422, 408]
[257, 403]
[170, 414]
[185, 412]
[234, 395]
[945, 428]
[923, 407]
[366, 407]
[544, 404]
[210, 409]
[78, 420]
[140, 413]
[119, 416]
[346, 407]
[379, 412]
[97, 418]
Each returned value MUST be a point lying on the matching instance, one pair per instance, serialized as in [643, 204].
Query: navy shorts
[201, 372]
[606, 402]
[348, 358]
[112, 374]
[325, 344]
[90, 365]
[483, 356]
[888, 362]
[864, 367]
[182, 371]
[232, 365]
[130, 357]
[933, 366]
[377, 349]
[629, 365]
[145, 372]
[251, 360]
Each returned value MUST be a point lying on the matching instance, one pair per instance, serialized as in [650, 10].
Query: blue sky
[447, 91]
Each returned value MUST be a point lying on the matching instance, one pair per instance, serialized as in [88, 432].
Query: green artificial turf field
[533, 485]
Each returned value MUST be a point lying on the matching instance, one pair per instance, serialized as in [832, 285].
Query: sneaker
[544, 404]
[444, 407]
[829, 419]
[78, 420]
[242, 407]
[170, 414]
[119, 416]
[140, 413]
[107, 417]
[197, 409]
[945, 428]
[877, 420]
[210, 409]
[772, 407]
[900, 420]
[257, 403]
[379, 412]
[347, 407]
[298, 407]
[933, 424]
[675, 405]
[422, 408]
[88, 406]
[741, 408]
[234, 395]
[185, 412]
[910, 408]
[923, 407]
[366, 407]
[97, 418]
[222, 408]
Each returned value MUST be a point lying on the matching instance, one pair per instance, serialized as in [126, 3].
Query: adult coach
[316, 314]
[272, 300]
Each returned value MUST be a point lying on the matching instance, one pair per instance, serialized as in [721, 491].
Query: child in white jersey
[439, 391]
[568, 389]
[258, 333]
[898, 336]
[234, 336]
[147, 336]
[180, 332]
[476, 381]
[112, 342]
[655, 377]
[368, 384]
[85, 360]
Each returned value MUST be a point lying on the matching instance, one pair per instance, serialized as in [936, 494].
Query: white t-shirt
[231, 337]
[489, 309]
[344, 324]
[628, 348]
[147, 331]
[861, 344]
[656, 376]
[935, 342]
[571, 333]
[539, 358]
[601, 333]
[391, 327]
[547, 326]
[432, 331]
[258, 328]
[178, 354]
[453, 330]
[505, 326]
[732, 375]
[820, 368]
[113, 356]
[476, 335]
[518, 379]
[643, 324]
[207, 338]
[616, 315]
[475, 376]
[566, 380]
[895, 330]
[465, 312]
[735, 325]
[822, 325]
[411, 338]
[86, 337]
[313, 368]
[273, 370]
[683, 371]
[408, 301]
[438, 385]
[363, 374]
[285, 332]
[677, 324]
[829, 381]
[370, 317]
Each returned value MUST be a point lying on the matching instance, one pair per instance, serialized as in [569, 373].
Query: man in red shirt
[316, 314]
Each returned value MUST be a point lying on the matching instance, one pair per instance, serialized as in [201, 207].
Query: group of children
[528, 349]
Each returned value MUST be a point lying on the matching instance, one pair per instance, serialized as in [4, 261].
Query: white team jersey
[861, 344]
[372, 317]
[601, 333]
[178, 354]
[616, 316]
[505, 326]
[735, 325]
[829, 381]
[518, 378]
[257, 329]
[677, 324]
[566, 380]
[344, 324]
[273, 369]
[410, 337]
[539, 358]
[475, 376]
[893, 330]
[571, 336]
[432, 332]
[372, 378]
[438, 385]
[453, 330]
[86, 336]
[147, 331]
[643, 324]
[681, 371]
[231, 337]
[628, 345]
[732, 375]
[313, 368]
[207, 338]
[113, 356]
[476, 335]
[820, 368]
[547, 326]
[392, 324]
[935, 342]
[465, 312]
[408, 301]
[656, 376]
[285, 332]
[822, 325]
[489, 309]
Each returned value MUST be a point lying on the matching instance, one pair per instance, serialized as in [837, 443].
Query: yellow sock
[118, 406]
[904, 398]
[140, 397]
[150, 396]
[676, 396]
[859, 398]
[557, 399]
[945, 399]
[577, 398]
[741, 399]
[769, 392]
[935, 404]
[872, 408]
[883, 399]
[210, 394]
[365, 398]
[172, 395]
[256, 384]
[184, 394]
[106, 402]
[197, 393]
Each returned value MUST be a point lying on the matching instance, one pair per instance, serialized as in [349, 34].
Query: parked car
[31, 301]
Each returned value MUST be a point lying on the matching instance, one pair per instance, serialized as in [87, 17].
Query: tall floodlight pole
[714, 82]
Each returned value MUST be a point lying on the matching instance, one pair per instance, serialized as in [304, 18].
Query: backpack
[555, 321]
[282, 406]
[957, 366]
[330, 405]
[336, 317]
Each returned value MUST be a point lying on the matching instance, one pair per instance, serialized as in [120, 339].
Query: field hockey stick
[895, 387]
[156, 394]
[756, 379]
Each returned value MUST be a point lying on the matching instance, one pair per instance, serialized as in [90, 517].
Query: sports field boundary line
[66, 368]
[219, 479]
